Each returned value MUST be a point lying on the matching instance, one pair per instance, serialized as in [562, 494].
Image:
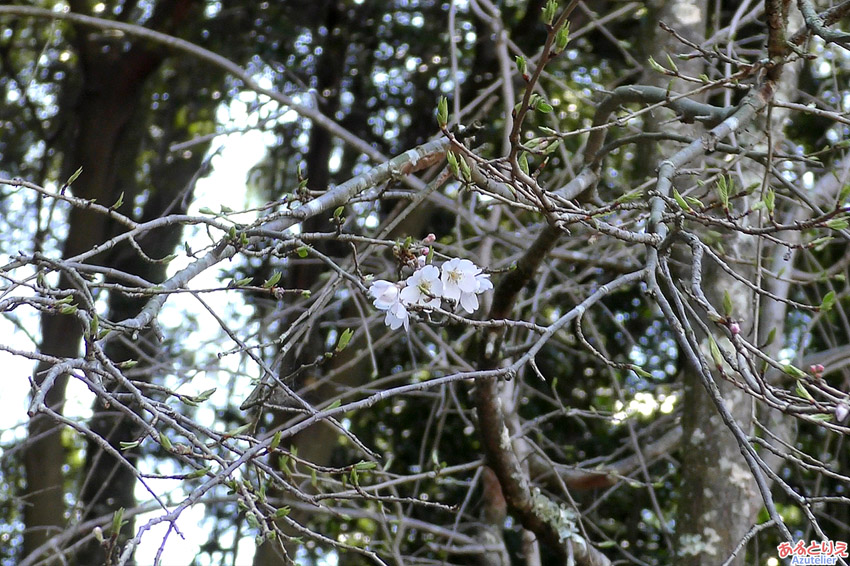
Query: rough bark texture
[717, 489]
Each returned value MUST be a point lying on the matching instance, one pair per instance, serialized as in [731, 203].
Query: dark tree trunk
[101, 110]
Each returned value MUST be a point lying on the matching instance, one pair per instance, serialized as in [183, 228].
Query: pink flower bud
[841, 412]
[817, 370]
[429, 239]
[734, 328]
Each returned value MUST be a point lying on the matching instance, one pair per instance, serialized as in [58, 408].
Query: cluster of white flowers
[458, 280]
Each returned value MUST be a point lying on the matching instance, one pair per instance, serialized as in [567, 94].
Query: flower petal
[469, 302]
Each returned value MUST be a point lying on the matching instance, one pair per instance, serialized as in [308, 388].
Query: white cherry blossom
[458, 277]
[385, 293]
[387, 298]
[458, 280]
[397, 316]
[463, 282]
[424, 288]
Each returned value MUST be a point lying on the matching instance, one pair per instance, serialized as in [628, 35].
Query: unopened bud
[734, 328]
[817, 370]
[841, 411]
[429, 239]
[98, 534]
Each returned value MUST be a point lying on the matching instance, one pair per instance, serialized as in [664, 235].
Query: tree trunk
[718, 492]
[101, 108]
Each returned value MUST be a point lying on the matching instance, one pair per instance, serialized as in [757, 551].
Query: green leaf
[672, 63]
[198, 473]
[443, 112]
[334, 405]
[694, 202]
[237, 431]
[338, 212]
[118, 202]
[466, 172]
[282, 512]
[683, 204]
[252, 520]
[837, 223]
[771, 336]
[656, 66]
[641, 372]
[272, 281]
[727, 304]
[723, 190]
[204, 395]
[562, 38]
[453, 166]
[716, 355]
[794, 372]
[803, 392]
[630, 196]
[543, 106]
[818, 244]
[521, 65]
[68, 309]
[165, 441]
[205, 210]
[73, 176]
[275, 441]
[551, 147]
[283, 464]
[303, 251]
[344, 339]
[828, 302]
[363, 465]
[549, 11]
[117, 520]
[129, 445]
[769, 200]
[523, 162]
